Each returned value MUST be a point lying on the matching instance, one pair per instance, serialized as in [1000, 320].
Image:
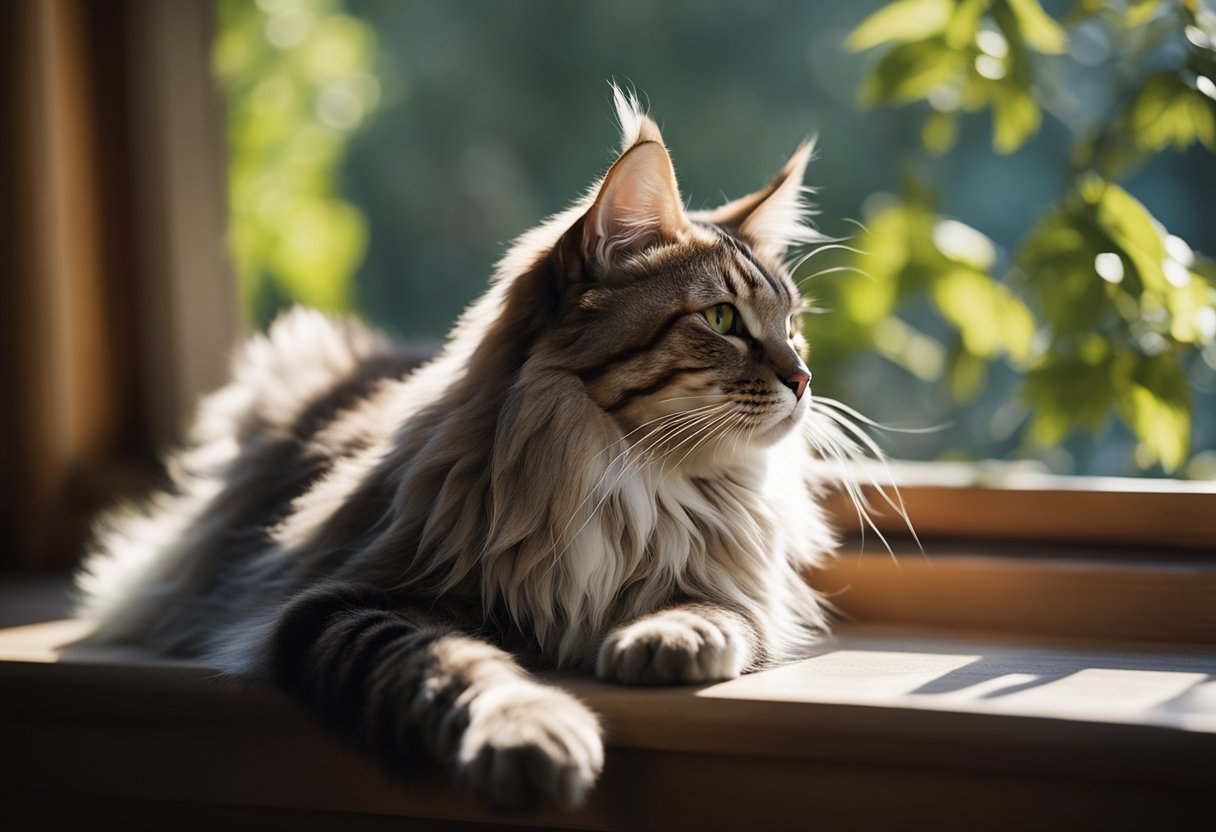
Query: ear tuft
[779, 220]
[636, 125]
[774, 218]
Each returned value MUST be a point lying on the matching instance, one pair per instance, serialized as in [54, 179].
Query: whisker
[742, 426]
[706, 430]
[657, 419]
[666, 431]
[708, 425]
[684, 398]
[832, 429]
[860, 504]
[858, 223]
[673, 424]
[825, 400]
[731, 419]
[663, 421]
[832, 270]
[608, 492]
[881, 458]
[828, 247]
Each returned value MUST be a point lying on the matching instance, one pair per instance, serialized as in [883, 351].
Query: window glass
[1028, 187]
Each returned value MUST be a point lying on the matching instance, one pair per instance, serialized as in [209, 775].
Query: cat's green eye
[724, 318]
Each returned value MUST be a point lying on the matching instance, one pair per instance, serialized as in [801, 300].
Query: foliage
[966, 55]
[1100, 307]
[298, 83]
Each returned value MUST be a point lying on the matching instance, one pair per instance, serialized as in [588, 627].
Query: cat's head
[684, 327]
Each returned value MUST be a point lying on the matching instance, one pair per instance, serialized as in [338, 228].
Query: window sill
[1106, 593]
[998, 501]
[884, 726]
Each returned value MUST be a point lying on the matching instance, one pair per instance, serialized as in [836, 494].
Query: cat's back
[301, 398]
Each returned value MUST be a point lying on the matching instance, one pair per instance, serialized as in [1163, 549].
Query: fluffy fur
[588, 475]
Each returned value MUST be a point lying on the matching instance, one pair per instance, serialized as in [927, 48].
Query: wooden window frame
[950, 501]
[120, 308]
[1091, 557]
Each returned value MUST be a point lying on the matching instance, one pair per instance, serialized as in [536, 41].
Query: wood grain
[948, 729]
[944, 501]
[1032, 590]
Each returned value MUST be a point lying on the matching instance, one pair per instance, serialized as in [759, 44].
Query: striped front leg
[402, 685]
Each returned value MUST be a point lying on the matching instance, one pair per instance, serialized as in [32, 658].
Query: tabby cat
[609, 466]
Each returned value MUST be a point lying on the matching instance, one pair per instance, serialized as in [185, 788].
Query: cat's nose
[798, 381]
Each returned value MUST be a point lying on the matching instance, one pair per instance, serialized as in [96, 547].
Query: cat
[610, 466]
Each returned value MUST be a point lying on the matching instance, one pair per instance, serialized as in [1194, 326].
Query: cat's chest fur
[642, 537]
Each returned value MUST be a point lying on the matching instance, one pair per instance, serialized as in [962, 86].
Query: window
[119, 311]
[933, 320]
[442, 133]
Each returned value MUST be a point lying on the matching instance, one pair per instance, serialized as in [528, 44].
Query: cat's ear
[638, 205]
[773, 218]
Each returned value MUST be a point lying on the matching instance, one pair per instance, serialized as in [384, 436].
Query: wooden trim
[193, 317]
[1029, 591]
[1111, 558]
[66, 318]
[946, 501]
[118, 309]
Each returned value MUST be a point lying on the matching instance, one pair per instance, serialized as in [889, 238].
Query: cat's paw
[529, 745]
[672, 647]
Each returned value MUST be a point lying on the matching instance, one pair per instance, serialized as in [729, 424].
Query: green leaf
[292, 106]
[910, 71]
[1015, 118]
[1058, 258]
[939, 132]
[1139, 11]
[1203, 269]
[962, 244]
[902, 21]
[906, 347]
[1187, 305]
[989, 318]
[1155, 403]
[1131, 227]
[964, 23]
[885, 242]
[1068, 391]
[315, 258]
[1167, 110]
[870, 295]
[967, 376]
[1035, 27]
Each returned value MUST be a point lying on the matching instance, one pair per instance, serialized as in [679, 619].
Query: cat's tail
[277, 376]
[146, 557]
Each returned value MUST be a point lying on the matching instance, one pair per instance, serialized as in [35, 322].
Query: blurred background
[991, 160]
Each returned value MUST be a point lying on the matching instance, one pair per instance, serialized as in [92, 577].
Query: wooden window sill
[884, 726]
[997, 501]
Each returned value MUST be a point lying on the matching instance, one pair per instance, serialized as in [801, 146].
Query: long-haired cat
[609, 466]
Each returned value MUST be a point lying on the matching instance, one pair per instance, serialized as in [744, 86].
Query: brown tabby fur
[588, 475]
